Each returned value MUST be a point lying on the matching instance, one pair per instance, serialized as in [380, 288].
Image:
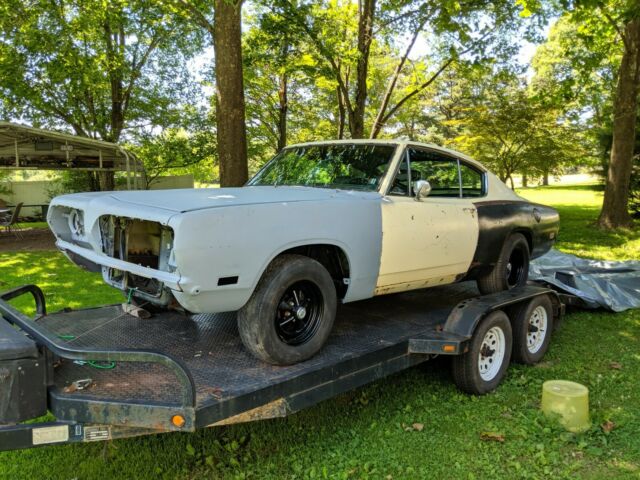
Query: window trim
[459, 161]
[484, 179]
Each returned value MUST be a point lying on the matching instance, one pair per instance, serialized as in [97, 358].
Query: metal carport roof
[27, 148]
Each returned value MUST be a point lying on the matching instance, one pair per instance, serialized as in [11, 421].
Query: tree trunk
[525, 180]
[92, 181]
[365, 36]
[615, 207]
[230, 106]
[545, 179]
[283, 107]
[341, 114]
[106, 181]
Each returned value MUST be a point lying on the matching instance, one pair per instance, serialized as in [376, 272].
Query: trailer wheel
[291, 312]
[482, 368]
[512, 268]
[532, 327]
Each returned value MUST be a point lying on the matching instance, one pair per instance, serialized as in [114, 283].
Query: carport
[27, 148]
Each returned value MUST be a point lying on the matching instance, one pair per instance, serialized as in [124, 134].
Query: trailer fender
[467, 314]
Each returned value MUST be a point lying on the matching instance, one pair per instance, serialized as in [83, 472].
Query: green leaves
[96, 67]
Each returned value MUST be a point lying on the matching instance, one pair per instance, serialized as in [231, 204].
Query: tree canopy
[217, 88]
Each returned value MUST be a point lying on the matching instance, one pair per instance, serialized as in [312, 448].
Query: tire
[475, 371]
[511, 269]
[532, 328]
[283, 336]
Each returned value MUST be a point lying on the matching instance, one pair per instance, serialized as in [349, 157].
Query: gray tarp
[600, 283]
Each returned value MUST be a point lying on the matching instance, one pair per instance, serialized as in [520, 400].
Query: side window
[439, 170]
[472, 184]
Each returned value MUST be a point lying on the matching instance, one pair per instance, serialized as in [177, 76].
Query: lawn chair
[10, 223]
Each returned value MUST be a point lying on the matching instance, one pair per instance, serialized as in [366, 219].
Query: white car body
[391, 243]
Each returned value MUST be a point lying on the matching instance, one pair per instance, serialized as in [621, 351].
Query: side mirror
[422, 189]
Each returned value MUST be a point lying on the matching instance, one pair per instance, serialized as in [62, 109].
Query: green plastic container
[568, 400]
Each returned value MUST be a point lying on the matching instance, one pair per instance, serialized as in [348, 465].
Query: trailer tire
[532, 327]
[290, 313]
[475, 371]
[512, 268]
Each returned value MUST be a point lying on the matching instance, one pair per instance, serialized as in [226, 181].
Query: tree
[188, 148]
[613, 26]
[291, 95]
[272, 61]
[98, 68]
[513, 132]
[224, 26]
[345, 36]
[615, 212]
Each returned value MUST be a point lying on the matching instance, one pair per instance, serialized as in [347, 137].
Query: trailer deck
[147, 371]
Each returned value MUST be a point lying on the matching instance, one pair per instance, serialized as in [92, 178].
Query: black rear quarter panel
[497, 219]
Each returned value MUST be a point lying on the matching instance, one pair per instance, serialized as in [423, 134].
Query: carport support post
[15, 143]
[126, 159]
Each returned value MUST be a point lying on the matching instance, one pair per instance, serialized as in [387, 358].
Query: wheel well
[528, 236]
[332, 258]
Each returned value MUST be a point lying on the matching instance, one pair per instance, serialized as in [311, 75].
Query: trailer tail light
[178, 421]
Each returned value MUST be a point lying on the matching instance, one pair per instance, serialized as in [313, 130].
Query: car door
[430, 241]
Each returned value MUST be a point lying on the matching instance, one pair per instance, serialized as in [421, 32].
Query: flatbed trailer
[105, 374]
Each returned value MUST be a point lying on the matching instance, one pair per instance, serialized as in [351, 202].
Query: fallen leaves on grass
[615, 366]
[418, 427]
[492, 437]
[608, 426]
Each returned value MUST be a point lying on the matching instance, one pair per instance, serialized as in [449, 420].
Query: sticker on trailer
[46, 435]
[96, 434]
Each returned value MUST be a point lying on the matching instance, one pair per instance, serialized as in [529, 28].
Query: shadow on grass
[63, 283]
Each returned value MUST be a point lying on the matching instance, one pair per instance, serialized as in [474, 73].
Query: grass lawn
[364, 434]
[36, 225]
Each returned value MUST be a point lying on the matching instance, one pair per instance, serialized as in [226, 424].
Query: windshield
[343, 166]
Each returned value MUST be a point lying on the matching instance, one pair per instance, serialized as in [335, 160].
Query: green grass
[579, 207]
[363, 434]
[34, 225]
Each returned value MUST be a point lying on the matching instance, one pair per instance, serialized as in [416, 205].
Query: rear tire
[290, 313]
[512, 268]
[485, 364]
[532, 327]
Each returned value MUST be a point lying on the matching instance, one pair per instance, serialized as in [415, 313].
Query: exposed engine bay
[141, 242]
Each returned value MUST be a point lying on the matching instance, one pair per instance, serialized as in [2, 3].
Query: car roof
[393, 141]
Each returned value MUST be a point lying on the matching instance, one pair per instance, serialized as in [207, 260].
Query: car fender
[241, 241]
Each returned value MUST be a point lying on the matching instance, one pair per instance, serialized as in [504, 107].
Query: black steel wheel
[290, 313]
[299, 313]
[512, 268]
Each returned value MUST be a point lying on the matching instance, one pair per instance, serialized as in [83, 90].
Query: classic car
[320, 223]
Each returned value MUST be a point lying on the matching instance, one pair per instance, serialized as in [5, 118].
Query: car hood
[187, 200]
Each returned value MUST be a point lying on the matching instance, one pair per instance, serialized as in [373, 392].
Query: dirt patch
[33, 239]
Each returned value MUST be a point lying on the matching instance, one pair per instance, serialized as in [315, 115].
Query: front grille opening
[140, 242]
[143, 243]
